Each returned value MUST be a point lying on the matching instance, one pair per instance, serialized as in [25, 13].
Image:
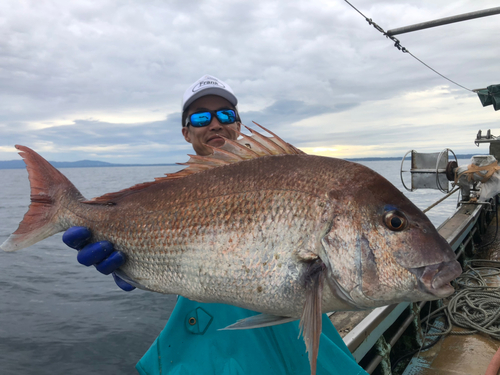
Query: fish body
[288, 235]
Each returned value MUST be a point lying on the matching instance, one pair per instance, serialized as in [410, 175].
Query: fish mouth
[435, 279]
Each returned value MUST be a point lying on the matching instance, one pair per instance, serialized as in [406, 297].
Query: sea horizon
[19, 164]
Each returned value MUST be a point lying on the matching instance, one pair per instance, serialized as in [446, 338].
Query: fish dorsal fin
[283, 147]
[247, 147]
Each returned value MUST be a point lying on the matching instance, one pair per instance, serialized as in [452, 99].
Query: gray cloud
[112, 73]
[283, 112]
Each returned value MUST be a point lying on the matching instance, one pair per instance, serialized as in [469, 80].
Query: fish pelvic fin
[258, 321]
[247, 147]
[311, 319]
[49, 188]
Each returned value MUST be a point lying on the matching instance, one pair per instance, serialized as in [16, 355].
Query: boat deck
[461, 354]
[455, 355]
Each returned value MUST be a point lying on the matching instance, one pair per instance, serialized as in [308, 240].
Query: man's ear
[239, 126]
[185, 133]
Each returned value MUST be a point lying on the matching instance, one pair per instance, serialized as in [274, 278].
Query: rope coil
[475, 306]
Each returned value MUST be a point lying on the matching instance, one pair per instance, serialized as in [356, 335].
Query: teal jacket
[191, 344]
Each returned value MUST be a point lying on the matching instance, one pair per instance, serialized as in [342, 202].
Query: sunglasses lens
[226, 116]
[201, 119]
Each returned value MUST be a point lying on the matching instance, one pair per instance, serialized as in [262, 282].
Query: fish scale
[206, 223]
[283, 233]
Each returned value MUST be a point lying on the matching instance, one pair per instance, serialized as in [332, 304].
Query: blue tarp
[191, 343]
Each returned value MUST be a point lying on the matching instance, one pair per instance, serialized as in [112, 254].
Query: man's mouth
[216, 141]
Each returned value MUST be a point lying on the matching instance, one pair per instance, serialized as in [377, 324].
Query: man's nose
[215, 124]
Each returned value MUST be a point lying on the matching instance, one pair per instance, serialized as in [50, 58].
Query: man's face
[199, 137]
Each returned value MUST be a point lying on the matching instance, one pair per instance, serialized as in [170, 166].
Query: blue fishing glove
[100, 254]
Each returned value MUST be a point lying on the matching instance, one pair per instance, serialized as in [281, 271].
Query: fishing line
[398, 45]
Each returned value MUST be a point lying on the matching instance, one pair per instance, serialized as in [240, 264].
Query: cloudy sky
[103, 80]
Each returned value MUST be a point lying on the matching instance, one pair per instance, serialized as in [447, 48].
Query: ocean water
[59, 317]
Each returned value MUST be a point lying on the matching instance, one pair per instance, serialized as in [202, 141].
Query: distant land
[19, 164]
[459, 156]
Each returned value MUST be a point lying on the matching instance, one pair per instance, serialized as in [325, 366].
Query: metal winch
[430, 170]
[436, 171]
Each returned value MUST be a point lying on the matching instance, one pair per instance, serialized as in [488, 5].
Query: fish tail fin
[49, 188]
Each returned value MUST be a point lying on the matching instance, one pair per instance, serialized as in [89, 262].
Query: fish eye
[395, 220]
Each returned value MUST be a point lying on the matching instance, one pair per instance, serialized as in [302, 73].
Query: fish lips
[435, 279]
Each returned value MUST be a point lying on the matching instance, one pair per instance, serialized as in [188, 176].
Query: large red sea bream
[259, 225]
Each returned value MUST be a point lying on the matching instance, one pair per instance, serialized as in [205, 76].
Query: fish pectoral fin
[311, 320]
[259, 321]
[122, 275]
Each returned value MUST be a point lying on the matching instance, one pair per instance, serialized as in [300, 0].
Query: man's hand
[100, 254]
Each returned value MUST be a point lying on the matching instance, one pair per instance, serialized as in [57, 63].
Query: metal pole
[444, 21]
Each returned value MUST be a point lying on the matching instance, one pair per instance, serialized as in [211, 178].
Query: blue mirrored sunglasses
[201, 119]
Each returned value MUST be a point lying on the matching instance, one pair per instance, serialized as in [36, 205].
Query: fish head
[381, 249]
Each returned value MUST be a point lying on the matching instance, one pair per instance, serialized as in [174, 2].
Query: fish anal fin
[122, 275]
[259, 321]
[311, 319]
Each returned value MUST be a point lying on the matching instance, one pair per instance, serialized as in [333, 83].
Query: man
[191, 342]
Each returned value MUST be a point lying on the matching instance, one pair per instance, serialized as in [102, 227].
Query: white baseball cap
[208, 85]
